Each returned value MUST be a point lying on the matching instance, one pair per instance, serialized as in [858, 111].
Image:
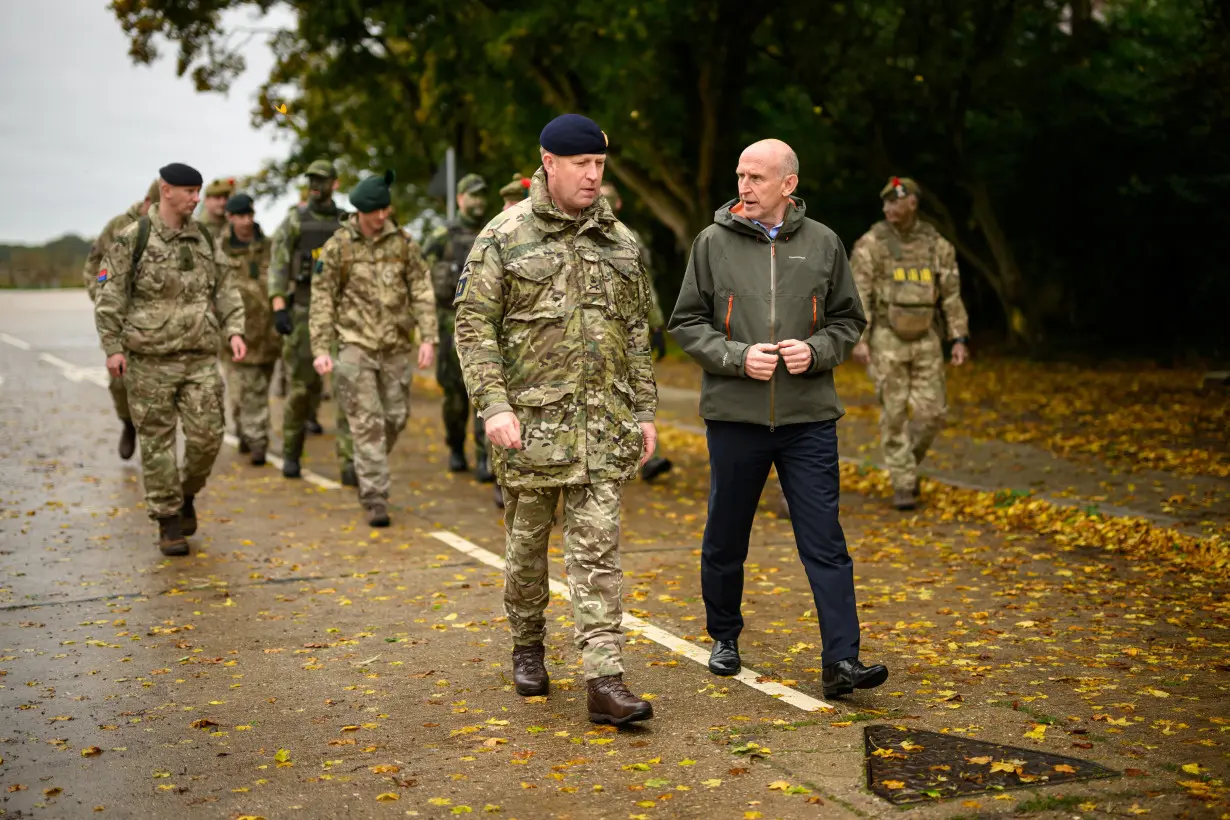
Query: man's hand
[238, 349]
[650, 434]
[117, 365]
[323, 364]
[796, 355]
[657, 343]
[281, 320]
[761, 361]
[960, 354]
[427, 355]
[862, 353]
[504, 430]
[278, 303]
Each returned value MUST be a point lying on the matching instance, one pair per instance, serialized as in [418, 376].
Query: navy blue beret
[240, 204]
[571, 134]
[182, 175]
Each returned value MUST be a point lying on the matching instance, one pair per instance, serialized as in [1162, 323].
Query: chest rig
[910, 287]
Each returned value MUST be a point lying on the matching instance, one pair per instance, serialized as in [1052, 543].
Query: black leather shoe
[457, 461]
[724, 660]
[844, 677]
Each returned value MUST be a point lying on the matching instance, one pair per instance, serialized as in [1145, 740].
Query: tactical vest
[314, 232]
[446, 272]
[911, 288]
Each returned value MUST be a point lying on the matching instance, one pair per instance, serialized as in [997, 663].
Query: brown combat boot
[187, 516]
[609, 701]
[171, 539]
[904, 500]
[529, 672]
[378, 515]
[128, 440]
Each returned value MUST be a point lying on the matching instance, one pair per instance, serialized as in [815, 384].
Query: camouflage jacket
[552, 325]
[248, 269]
[285, 246]
[178, 300]
[371, 292]
[898, 272]
[93, 261]
[216, 227]
[446, 251]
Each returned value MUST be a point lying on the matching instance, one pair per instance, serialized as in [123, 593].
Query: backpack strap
[885, 234]
[138, 250]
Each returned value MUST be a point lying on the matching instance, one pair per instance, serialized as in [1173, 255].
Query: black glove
[657, 342]
[281, 321]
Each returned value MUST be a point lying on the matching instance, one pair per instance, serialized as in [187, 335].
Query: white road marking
[20, 344]
[656, 634]
[76, 374]
[308, 476]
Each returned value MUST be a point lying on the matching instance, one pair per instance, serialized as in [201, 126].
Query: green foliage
[56, 264]
[1072, 151]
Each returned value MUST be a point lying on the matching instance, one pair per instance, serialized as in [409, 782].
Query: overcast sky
[84, 131]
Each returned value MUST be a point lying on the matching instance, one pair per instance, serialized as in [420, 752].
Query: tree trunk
[1015, 295]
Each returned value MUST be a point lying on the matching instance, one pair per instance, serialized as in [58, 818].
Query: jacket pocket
[548, 426]
[535, 289]
[623, 287]
[625, 431]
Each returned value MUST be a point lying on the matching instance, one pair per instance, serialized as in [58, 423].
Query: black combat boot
[313, 427]
[497, 495]
[609, 701]
[529, 672]
[244, 449]
[171, 539]
[258, 455]
[349, 477]
[187, 516]
[457, 460]
[378, 515]
[482, 467]
[128, 440]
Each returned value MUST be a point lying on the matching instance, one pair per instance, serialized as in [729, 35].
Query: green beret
[154, 193]
[321, 168]
[570, 134]
[221, 187]
[900, 188]
[240, 203]
[517, 189]
[372, 193]
[471, 183]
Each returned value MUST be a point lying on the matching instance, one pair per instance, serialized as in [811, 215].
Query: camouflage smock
[371, 293]
[248, 268]
[177, 301]
[93, 260]
[552, 325]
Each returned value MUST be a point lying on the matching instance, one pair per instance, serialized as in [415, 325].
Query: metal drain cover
[909, 766]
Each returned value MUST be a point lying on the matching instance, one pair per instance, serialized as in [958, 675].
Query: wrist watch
[961, 340]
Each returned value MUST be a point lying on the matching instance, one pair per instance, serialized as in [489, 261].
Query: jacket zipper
[730, 306]
[813, 316]
[773, 330]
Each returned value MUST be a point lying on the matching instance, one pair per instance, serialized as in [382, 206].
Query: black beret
[182, 175]
[571, 134]
[240, 203]
[372, 193]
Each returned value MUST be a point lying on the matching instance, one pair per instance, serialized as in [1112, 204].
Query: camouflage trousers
[119, 398]
[303, 392]
[374, 392]
[165, 392]
[591, 561]
[247, 394]
[456, 409]
[909, 380]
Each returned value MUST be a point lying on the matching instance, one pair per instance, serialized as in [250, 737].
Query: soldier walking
[372, 290]
[553, 336]
[446, 251]
[296, 248]
[908, 280]
[245, 251]
[163, 298]
[93, 262]
[216, 195]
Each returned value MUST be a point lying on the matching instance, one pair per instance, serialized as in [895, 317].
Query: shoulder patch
[463, 286]
[102, 276]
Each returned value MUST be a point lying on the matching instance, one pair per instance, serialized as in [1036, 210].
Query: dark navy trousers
[805, 455]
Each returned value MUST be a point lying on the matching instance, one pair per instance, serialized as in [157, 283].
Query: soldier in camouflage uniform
[296, 247]
[907, 277]
[657, 464]
[446, 251]
[245, 250]
[213, 215]
[164, 297]
[93, 261]
[553, 336]
[372, 289]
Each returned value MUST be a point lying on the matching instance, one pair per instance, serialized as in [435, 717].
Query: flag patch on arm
[102, 276]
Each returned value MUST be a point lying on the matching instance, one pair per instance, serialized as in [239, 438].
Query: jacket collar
[352, 225]
[550, 218]
[731, 216]
[191, 229]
